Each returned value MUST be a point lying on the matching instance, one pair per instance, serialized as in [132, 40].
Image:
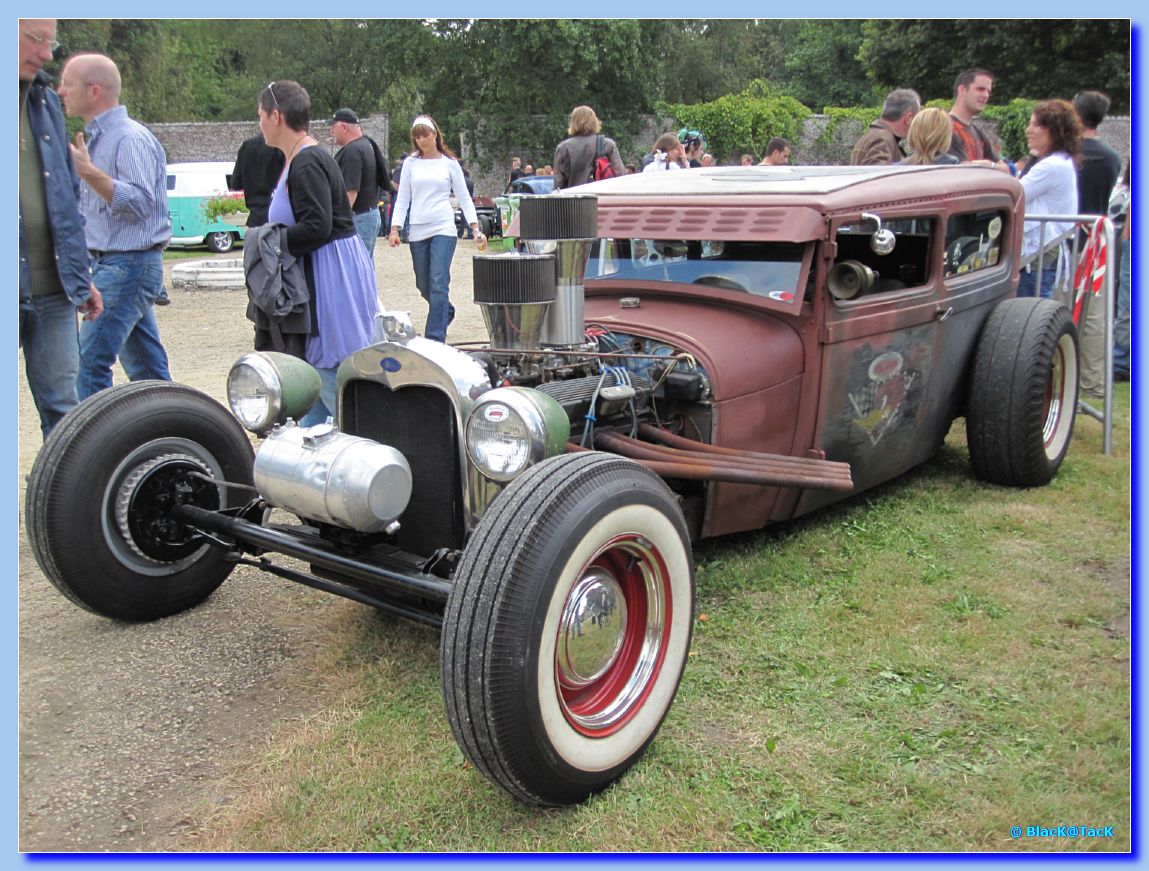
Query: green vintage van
[190, 185]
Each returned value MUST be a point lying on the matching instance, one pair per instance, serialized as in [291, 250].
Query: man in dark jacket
[55, 279]
[881, 143]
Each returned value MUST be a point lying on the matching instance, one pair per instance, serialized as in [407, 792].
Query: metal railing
[1065, 291]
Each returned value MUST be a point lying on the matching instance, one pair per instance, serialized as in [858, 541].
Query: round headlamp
[512, 428]
[265, 388]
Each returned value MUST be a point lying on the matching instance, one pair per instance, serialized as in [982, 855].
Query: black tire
[548, 706]
[486, 225]
[94, 508]
[1023, 394]
[220, 243]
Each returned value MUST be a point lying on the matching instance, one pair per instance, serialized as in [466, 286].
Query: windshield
[768, 269]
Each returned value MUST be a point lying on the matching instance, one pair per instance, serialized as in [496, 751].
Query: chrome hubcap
[592, 629]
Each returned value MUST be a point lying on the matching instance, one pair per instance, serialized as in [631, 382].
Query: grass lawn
[919, 669]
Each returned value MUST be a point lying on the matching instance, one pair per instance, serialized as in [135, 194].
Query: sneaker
[163, 299]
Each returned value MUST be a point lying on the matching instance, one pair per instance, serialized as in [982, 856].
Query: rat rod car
[671, 357]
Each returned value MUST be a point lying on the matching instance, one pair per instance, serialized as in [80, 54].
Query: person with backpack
[586, 155]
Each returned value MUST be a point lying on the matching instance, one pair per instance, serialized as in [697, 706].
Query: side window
[906, 266]
[973, 241]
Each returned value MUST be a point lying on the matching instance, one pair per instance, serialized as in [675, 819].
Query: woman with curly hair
[928, 139]
[1050, 182]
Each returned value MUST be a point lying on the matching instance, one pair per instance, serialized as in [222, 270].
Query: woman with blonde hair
[928, 139]
[429, 178]
[575, 156]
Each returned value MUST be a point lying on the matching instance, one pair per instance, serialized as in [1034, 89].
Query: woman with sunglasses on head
[430, 175]
[311, 199]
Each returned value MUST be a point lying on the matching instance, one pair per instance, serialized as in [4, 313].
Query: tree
[1031, 59]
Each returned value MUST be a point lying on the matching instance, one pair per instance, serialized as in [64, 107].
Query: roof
[771, 202]
[774, 180]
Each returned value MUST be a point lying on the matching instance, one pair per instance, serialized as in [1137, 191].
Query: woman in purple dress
[311, 200]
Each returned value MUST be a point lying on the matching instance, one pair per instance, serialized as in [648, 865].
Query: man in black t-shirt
[356, 159]
[257, 170]
[1096, 178]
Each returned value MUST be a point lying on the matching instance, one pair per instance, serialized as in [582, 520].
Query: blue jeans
[51, 346]
[129, 283]
[367, 226]
[1121, 320]
[432, 261]
[1028, 284]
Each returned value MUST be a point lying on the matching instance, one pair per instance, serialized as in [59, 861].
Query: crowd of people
[94, 219]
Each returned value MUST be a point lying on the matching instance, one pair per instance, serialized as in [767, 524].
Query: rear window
[973, 242]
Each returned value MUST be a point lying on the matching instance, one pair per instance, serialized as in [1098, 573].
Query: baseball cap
[347, 116]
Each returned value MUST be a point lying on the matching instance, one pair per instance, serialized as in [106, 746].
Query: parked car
[189, 186]
[527, 185]
[746, 346]
[487, 213]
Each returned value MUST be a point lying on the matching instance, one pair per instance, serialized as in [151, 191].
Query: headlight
[264, 388]
[512, 428]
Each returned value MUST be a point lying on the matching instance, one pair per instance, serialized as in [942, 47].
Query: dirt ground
[123, 727]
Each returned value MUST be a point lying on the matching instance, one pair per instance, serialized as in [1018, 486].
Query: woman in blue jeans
[430, 175]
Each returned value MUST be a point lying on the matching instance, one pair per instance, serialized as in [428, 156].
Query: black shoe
[163, 300]
[1120, 376]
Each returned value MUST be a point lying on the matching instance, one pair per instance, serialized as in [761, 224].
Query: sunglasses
[271, 90]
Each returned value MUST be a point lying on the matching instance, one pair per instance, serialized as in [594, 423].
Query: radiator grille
[420, 423]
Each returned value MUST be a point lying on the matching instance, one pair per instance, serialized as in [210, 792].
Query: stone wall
[188, 143]
[220, 141]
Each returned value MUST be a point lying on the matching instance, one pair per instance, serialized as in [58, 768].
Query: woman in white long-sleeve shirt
[429, 178]
[1050, 182]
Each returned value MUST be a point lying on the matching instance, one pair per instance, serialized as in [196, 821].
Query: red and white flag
[1091, 265]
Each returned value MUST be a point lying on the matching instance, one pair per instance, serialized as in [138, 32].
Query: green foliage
[1031, 58]
[733, 124]
[1011, 120]
[225, 204]
[507, 86]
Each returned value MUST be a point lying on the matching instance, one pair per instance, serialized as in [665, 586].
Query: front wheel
[100, 492]
[220, 243]
[1023, 393]
[567, 630]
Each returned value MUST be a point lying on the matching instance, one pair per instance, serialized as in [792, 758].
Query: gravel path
[124, 727]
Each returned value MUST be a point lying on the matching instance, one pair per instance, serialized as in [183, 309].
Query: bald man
[124, 201]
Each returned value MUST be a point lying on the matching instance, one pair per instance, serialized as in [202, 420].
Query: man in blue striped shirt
[125, 207]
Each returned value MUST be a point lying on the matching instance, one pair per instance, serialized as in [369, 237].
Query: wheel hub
[592, 629]
[145, 500]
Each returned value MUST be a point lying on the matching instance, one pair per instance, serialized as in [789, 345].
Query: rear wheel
[100, 492]
[1023, 395]
[220, 243]
[568, 628]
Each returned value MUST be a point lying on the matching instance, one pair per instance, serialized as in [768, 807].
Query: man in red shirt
[972, 91]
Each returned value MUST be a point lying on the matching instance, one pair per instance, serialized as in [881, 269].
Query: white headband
[425, 121]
